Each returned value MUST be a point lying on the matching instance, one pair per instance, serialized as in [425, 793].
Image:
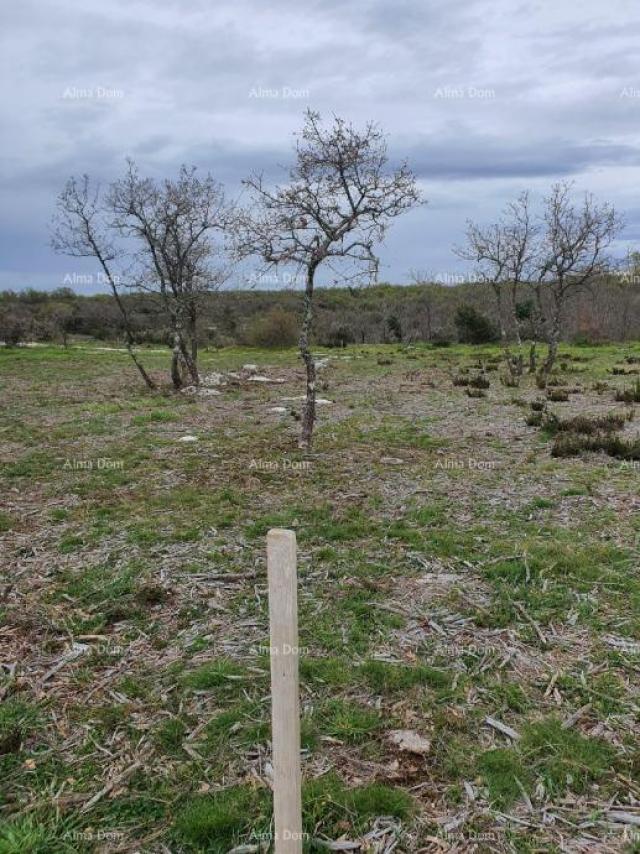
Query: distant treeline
[609, 310]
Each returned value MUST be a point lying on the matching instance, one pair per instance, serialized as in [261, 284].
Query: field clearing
[451, 570]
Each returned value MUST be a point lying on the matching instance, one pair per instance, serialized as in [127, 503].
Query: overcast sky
[484, 99]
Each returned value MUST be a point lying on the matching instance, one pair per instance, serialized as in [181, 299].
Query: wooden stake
[285, 695]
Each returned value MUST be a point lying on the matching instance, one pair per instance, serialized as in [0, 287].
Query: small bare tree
[571, 256]
[161, 237]
[174, 223]
[504, 255]
[335, 208]
[80, 230]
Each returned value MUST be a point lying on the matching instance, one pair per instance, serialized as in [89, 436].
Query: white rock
[258, 378]
[320, 401]
[251, 368]
[216, 378]
[409, 741]
[201, 392]
[625, 644]
[188, 439]
[279, 409]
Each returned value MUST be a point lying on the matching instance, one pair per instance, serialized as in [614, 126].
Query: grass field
[451, 569]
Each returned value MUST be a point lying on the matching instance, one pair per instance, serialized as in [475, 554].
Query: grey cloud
[186, 73]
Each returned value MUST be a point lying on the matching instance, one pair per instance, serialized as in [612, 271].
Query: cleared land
[451, 570]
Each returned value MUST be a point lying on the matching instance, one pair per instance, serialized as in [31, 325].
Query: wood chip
[620, 817]
[503, 728]
[572, 719]
[112, 785]
[532, 623]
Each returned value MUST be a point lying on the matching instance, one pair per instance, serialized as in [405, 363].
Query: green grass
[565, 759]
[216, 822]
[329, 804]
[156, 416]
[386, 678]
[170, 735]
[18, 720]
[222, 673]
[348, 721]
[406, 569]
[330, 672]
[28, 835]
[503, 773]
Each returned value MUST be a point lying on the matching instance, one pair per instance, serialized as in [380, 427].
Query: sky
[484, 99]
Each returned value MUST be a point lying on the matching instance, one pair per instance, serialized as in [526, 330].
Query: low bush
[558, 395]
[276, 328]
[629, 395]
[588, 426]
[574, 444]
[461, 381]
[440, 340]
[473, 327]
[479, 382]
[623, 372]
[339, 335]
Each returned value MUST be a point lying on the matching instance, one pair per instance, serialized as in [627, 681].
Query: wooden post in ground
[285, 695]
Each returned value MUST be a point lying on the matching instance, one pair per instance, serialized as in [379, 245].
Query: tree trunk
[512, 362]
[150, 383]
[176, 373]
[130, 342]
[503, 332]
[181, 352]
[191, 365]
[309, 409]
[553, 339]
[125, 317]
[193, 333]
[550, 361]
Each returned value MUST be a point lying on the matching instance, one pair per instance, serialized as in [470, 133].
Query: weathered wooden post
[285, 695]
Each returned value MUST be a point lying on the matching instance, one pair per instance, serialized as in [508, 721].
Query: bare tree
[80, 229]
[335, 208]
[173, 223]
[504, 255]
[571, 256]
[162, 237]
